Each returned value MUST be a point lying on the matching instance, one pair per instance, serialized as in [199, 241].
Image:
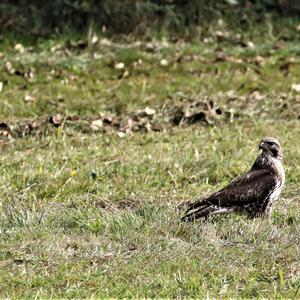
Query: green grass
[88, 214]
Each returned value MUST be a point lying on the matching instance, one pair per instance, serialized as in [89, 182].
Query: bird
[252, 193]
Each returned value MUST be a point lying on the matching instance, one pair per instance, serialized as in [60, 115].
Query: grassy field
[101, 143]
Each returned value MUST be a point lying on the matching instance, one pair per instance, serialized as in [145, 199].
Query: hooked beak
[262, 146]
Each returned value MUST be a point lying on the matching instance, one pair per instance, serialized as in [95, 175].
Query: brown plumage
[252, 193]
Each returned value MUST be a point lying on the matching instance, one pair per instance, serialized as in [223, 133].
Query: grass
[87, 214]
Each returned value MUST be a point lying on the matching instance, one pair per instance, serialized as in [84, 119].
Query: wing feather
[250, 187]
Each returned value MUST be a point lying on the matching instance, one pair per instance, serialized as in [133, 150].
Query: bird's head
[271, 146]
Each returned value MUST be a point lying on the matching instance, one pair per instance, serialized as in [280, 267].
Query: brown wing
[251, 187]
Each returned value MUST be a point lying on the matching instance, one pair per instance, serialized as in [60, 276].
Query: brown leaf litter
[183, 113]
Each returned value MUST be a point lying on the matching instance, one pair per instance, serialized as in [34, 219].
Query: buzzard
[252, 193]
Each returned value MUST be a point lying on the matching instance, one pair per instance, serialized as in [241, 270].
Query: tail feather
[204, 212]
[197, 214]
[199, 203]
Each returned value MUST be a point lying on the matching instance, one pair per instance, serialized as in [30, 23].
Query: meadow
[102, 142]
